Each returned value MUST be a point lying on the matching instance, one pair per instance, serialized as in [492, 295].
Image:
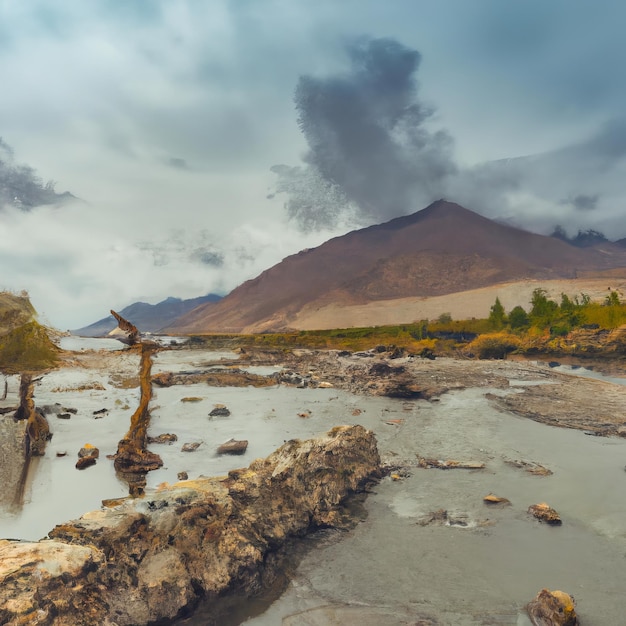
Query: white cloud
[111, 98]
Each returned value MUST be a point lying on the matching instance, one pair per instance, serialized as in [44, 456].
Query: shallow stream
[479, 568]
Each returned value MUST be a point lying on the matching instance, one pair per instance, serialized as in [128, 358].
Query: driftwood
[132, 333]
[133, 460]
[37, 427]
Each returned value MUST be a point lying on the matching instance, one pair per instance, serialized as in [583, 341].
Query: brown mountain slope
[442, 249]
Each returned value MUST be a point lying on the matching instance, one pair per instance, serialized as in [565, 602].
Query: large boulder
[148, 559]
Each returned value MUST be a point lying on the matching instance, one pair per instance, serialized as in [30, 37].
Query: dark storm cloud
[21, 187]
[368, 146]
[583, 202]
[207, 257]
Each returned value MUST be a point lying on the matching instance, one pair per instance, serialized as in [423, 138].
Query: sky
[203, 142]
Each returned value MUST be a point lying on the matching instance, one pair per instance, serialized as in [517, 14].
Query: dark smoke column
[368, 148]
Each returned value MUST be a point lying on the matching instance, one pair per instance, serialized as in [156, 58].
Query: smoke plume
[369, 151]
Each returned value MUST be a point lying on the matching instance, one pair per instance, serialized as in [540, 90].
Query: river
[479, 568]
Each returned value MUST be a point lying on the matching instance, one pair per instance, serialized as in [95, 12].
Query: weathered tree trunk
[146, 560]
[133, 459]
[37, 428]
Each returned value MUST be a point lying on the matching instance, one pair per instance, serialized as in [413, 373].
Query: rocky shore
[560, 400]
[154, 558]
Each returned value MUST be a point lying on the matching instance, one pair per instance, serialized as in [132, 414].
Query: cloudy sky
[206, 141]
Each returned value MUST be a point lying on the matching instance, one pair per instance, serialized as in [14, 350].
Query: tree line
[559, 317]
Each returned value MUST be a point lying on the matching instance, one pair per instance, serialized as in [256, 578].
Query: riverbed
[475, 565]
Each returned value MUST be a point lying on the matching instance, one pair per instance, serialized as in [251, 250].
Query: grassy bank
[573, 326]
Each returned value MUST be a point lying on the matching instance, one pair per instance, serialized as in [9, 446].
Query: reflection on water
[78, 344]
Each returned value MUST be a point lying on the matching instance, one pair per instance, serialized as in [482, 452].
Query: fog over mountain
[206, 142]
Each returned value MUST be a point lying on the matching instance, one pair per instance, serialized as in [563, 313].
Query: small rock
[163, 438]
[63, 416]
[552, 608]
[85, 461]
[233, 446]
[451, 464]
[219, 411]
[100, 413]
[304, 414]
[325, 385]
[61, 452]
[544, 513]
[67, 409]
[191, 447]
[88, 451]
[492, 499]
[163, 379]
[182, 476]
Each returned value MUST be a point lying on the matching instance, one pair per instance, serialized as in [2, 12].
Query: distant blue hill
[147, 317]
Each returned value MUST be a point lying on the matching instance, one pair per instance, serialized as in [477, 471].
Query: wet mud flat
[404, 561]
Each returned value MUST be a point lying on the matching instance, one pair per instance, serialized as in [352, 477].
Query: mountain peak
[442, 249]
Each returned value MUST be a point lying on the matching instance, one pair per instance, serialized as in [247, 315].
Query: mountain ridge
[147, 317]
[442, 249]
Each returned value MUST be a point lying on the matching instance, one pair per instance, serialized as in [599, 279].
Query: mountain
[148, 317]
[442, 249]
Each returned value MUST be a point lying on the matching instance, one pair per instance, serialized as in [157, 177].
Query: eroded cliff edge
[148, 559]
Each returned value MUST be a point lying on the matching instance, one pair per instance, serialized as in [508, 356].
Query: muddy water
[396, 571]
[390, 569]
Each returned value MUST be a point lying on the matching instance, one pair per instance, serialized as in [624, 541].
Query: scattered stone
[89, 451]
[68, 409]
[61, 453]
[553, 608]
[402, 386]
[219, 411]
[304, 414]
[344, 353]
[85, 461]
[443, 518]
[531, 467]
[191, 447]
[325, 385]
[356, 412]
[384, 369]
[544, 513]
[163, 379]
[191, 399]
[492, 499]
[182, 476]
[168, 438]
[451, 464]
[63, 416]
[233, 446]
[100, 413]
[109, 503]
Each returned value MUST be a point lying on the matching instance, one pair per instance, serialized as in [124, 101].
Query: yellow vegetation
[493, 345]
[27, 348]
